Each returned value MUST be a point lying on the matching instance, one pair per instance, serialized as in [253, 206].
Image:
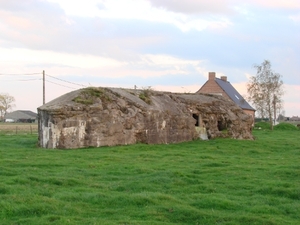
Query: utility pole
[43, 87]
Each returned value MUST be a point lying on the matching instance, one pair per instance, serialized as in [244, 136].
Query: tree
[6, 103]
[265, 91]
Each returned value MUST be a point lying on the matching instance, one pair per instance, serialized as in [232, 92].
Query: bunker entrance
[196, 117]
[222, 125]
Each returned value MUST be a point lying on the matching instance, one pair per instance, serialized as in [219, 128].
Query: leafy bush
[146, 94]
[88, 96]
[262, 125]
[285, 126]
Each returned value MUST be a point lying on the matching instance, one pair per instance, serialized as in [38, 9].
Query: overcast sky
[169, 45]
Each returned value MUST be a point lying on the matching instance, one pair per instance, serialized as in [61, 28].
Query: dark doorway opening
[222, 125]
[196, 117]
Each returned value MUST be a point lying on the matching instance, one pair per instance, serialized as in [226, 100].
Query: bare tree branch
[265, 91]
[6, 103]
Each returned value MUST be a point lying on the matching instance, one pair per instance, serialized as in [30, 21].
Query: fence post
[16, 129]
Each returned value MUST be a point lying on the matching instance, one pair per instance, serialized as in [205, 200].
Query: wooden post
[16, 129]
[30, 129]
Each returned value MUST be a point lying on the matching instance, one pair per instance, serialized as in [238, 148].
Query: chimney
[224, 78]
[211, 75]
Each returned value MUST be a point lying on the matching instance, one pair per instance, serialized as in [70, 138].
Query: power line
[23, 80]
[43, 78]
[60, 84]
[81, 85]
[30, 74]
[18, 74]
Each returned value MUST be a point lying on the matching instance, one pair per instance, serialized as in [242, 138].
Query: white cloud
[291, 100]
[221, 6]
[140, 10]
[166, 43]
[146, 66]
[286, 4]
[78, 8]
[63, 59]
[163, 65]
[177, 89]
[295, 18]
[195, 6]
[167, 60]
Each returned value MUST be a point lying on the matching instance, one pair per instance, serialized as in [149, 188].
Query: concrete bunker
[114, 116]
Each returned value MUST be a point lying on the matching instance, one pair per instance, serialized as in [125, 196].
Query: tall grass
[18, 128]
[221, 181]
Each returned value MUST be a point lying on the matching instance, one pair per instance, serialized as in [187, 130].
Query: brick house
[220, 86]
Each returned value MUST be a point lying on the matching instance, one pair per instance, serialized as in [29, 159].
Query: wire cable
[20, 74]
[81, 85]
[30, 74]
[60, 84]
[22, 80]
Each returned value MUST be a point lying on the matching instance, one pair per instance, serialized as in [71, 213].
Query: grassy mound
[285, 126]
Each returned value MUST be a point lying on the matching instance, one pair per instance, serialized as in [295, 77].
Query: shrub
[88, 96]
[262, 125]
[285, 126]
[146, 94]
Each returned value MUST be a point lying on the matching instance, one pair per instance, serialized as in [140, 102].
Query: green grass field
[221, 181]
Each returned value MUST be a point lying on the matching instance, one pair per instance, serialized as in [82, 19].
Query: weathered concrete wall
[110, 116]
